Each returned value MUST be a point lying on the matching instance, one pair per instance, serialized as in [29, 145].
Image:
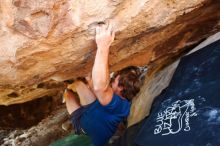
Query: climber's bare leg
[72, 103]
[85, 93]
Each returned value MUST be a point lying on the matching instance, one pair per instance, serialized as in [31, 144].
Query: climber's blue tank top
[100, 122]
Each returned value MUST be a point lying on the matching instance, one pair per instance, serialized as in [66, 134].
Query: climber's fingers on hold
[109, 27]
[103, 28]
[98, 30]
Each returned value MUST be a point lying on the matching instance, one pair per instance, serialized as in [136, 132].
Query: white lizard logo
[175, 117]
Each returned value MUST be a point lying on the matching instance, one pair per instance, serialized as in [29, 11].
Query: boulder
[53, 40]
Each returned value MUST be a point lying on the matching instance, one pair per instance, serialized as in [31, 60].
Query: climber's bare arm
[100, 71]
[85, 93]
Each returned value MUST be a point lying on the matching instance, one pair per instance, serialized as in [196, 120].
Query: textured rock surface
[54, 39]
[43, 134]
[43, 41]
[154, 84]
[50, 128]
[29, 113]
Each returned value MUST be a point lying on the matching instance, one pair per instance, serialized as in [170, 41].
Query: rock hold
[54, 40]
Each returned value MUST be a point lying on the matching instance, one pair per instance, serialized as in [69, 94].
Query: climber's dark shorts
[75, 118]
